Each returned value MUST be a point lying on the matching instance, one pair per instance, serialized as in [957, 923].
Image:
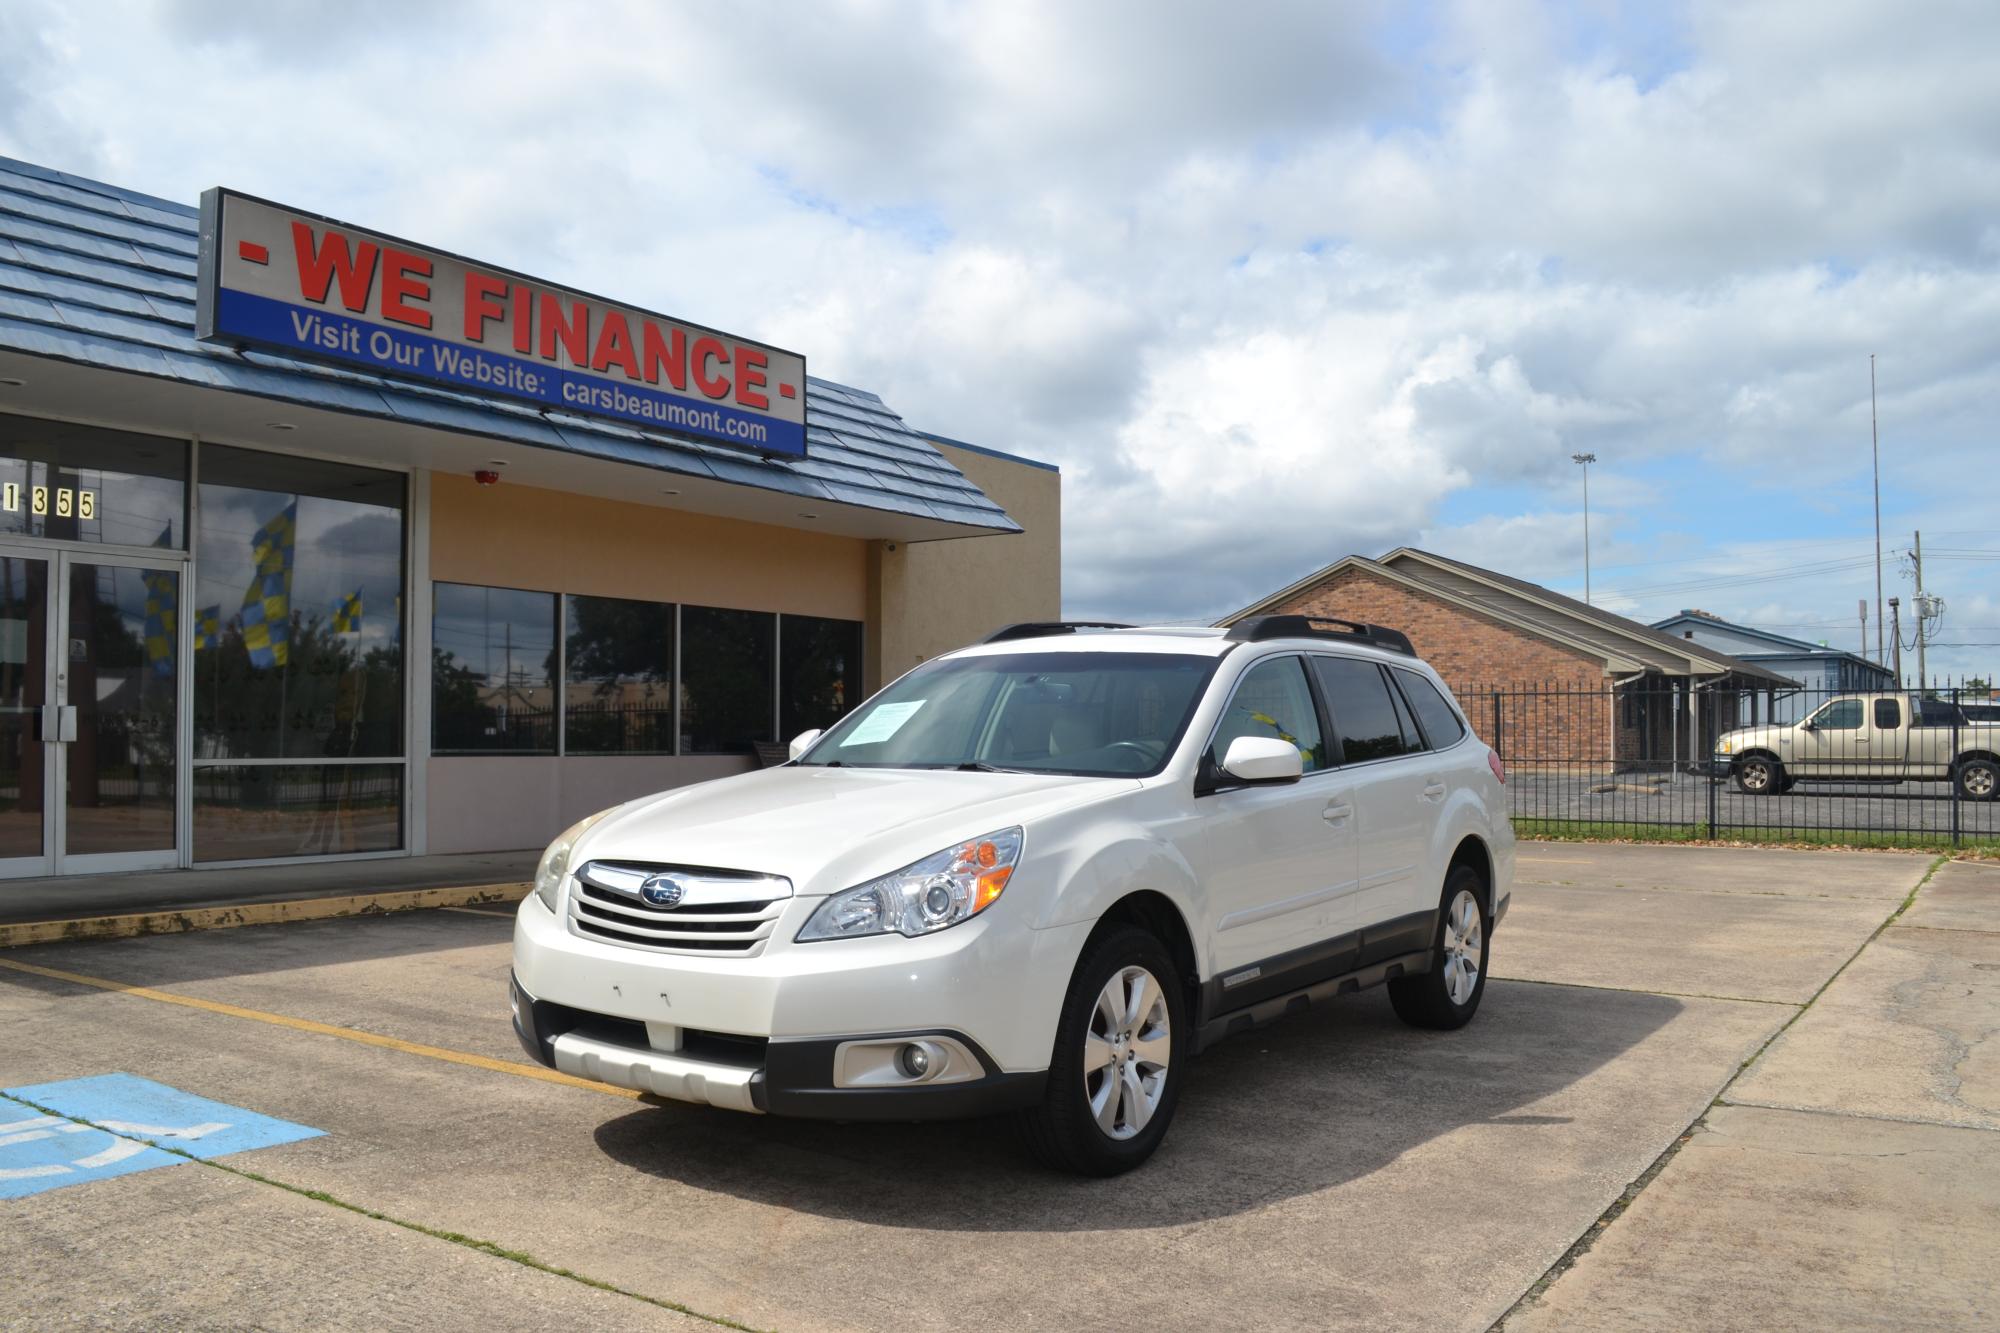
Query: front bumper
[790, 1078]
[762, 1033]
[1719, 766]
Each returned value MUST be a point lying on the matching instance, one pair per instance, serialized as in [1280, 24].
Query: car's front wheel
[1760, 775]
[1120, 1052]
[1448, 995]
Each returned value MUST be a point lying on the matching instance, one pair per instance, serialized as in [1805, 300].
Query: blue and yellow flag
[161, 612]
[208, 628]
[347, 620]
[267, 602]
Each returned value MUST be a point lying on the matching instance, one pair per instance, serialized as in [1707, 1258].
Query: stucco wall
[520, 537]
[932, 597]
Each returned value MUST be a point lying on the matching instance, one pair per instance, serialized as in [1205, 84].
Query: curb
[255, 914]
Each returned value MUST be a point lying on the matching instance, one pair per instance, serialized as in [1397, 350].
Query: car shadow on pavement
[1307, 1103]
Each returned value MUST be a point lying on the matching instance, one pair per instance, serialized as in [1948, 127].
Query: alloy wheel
[1126, 1052]
[1979, 781]
[1464, 947]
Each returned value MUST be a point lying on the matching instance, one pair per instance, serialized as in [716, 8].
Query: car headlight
[554, 865]
[1725, 745]
[954, 885]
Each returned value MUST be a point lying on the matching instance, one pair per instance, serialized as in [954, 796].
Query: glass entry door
[89, 712]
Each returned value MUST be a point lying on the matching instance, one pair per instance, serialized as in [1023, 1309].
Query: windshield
[1097, 714]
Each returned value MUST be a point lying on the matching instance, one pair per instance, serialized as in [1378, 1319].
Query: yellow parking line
[513, 1067]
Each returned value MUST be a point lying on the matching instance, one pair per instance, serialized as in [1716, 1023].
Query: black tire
[1063, 1132]
[1426, 1001]
[1760, 775]
[1977, 779]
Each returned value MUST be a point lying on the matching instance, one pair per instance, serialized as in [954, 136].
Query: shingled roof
[105, 277]
[1625, 645]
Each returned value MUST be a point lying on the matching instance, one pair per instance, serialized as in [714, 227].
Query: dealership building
[317, 543]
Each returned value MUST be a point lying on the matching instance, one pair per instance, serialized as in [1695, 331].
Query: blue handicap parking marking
[41, 1149]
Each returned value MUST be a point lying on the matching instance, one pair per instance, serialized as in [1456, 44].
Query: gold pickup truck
[1866, 738]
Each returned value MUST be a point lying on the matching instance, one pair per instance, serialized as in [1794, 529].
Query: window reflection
[298, 613]
[728, 660]
[618, 676]
[253, 812]
[820, 667]
[121, 662]
[493, 667]
[82, 484]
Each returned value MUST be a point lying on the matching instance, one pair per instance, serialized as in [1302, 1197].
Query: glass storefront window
[82, 484]
[493, 670]
[820, 668]
[257, 811]
[298, 612]
[298, 655]
[618, 675]
[24, 615]
[729, 675]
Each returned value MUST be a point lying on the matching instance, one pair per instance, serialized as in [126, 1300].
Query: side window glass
[1413, 737]
[1840, 715]
[1440, 721]
[1888, 715]
[1273, 699]
[1364, 716]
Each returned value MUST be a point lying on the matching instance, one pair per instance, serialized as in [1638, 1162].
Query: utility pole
[1586, 460]
[1875, 450]
[1864, 626]
[1923, 607]
[1896, 635]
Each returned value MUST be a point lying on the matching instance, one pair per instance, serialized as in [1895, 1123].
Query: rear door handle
[1434, 791]
[1336, 811]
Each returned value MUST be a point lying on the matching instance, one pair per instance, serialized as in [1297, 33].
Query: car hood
[826, 829]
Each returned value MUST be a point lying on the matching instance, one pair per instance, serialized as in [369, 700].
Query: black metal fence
[1736, 760]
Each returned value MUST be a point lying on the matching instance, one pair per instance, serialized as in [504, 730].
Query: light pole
[1586, 460]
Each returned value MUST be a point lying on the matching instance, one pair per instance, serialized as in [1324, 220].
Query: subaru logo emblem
[662, 890]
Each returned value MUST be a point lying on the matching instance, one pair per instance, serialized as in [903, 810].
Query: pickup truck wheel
[1759, 775]
[1978, 779]
[1115, 1074]
[1448, 995]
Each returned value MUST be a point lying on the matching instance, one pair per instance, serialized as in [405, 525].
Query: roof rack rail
[1256, 629]
[1036, 629]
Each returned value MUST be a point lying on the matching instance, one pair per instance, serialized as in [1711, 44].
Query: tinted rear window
[1364, 715]
[1441, 724]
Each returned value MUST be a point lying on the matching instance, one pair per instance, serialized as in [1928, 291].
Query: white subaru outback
[1037, 875]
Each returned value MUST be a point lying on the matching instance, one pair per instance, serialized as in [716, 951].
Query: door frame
[59, 558]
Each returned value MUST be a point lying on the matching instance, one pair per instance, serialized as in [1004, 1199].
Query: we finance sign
[280, 278]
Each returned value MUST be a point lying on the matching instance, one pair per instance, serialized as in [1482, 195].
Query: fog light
[914, 1061]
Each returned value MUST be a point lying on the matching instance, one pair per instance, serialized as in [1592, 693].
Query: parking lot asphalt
[1336, 1169]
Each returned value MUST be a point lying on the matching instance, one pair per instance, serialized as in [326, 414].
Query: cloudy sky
[1272, 283]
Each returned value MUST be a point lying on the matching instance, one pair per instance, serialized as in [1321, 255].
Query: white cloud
[1271, 285]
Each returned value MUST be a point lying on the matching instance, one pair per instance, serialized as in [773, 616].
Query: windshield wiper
[981, 766]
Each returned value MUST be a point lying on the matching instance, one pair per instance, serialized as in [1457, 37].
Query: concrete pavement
[1850, 1177]
[1334, 1170]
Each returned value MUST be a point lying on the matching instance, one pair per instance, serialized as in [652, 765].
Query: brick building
[1547, 679]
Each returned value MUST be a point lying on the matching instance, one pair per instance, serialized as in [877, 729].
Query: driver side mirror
[804, 741]
[1263, 759]
[1810, 725]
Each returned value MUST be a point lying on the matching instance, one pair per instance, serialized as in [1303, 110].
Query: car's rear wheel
[1978, 779]
[1448, 995]
[1115, 1074]
[1759, 775]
